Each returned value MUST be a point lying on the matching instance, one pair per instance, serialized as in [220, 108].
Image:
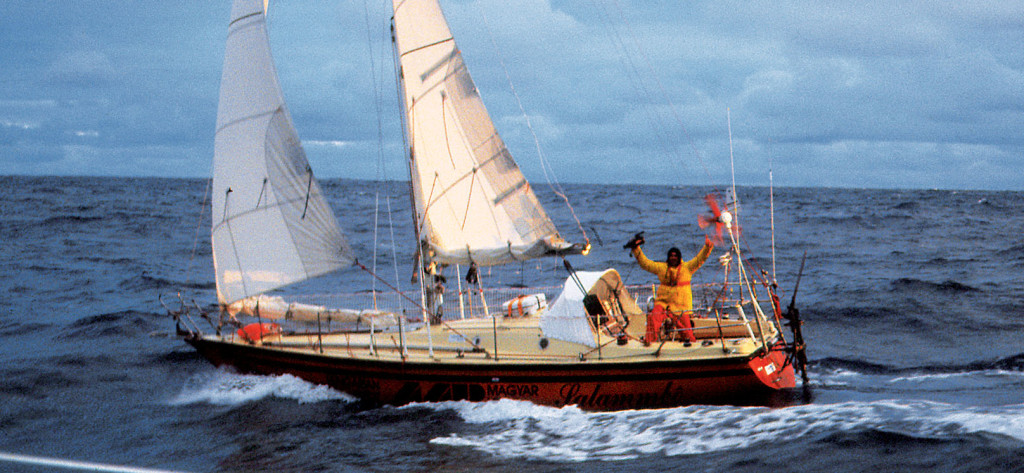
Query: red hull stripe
[241, 356]
[592, 386]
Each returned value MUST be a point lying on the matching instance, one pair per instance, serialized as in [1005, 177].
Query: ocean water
[913, 302]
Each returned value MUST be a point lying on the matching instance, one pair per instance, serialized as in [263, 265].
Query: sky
[872, 94]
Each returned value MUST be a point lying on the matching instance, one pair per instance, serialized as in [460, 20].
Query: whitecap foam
[987, 374]
[520, 429]
[221, 387]
[839, 378]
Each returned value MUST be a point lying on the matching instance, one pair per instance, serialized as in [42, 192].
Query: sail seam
[511, 190]
[430, 202]
[425, 46]
[441, 83]
[243, 119]
[265, 208]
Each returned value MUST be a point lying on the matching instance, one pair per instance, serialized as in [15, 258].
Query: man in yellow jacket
[674, 295]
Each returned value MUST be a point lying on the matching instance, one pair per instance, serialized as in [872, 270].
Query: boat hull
[591, 385]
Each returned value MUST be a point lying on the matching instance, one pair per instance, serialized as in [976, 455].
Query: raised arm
[701, 257]
[656, 267]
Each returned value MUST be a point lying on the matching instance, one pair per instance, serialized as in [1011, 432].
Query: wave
[947, 286]
[68, 220]
[850, 221]
[982, 382]
[844, 314]
[224, 388]
[125, 323]
[12, 328]
[518, 429]
[145, 281]
[36, 383]
[1009, 363]
[1014, 253]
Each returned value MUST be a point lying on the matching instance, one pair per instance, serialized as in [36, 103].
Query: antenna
[732, 170]
[771, 203]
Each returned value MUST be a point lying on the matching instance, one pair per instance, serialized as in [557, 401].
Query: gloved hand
[636, 241]
[707, 242]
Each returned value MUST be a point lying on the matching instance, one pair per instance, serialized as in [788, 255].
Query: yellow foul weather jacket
[674, 292]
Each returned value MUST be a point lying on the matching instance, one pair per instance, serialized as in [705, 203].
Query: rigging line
[380, 135]
[426, 208]
[309, 186]
[421, 276]
[661, 133]
[394, 243]
[469, 200]
[263, 189]
[549, 172]
[376, 215]
[385, 36]
[444, 123]
[663, 136]
[771, 201]
[732, 171]
[238, 260]
[407, 131]
[426, 314]
[382, 165]
[199, 222]
[675, 112]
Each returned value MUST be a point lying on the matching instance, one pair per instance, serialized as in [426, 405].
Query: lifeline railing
[476, 303]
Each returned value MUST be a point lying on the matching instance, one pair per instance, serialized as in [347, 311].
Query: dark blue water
[913, 302]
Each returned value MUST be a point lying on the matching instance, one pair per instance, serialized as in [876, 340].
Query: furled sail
[271, 224]
[472, 203]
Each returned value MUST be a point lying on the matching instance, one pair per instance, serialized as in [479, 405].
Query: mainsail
[472, 203]
[271, 224]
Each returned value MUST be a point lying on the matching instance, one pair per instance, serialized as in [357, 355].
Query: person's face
[673, 259]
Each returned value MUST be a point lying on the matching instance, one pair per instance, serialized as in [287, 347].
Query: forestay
[271, 224]
[472, 203]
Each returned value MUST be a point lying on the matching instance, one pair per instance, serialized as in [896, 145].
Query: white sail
[472, 203]
[271, 224]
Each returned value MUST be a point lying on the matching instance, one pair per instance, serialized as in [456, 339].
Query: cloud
[82, 68]
[869, 94]
[91, 160]
[19, 124]
[330, 144]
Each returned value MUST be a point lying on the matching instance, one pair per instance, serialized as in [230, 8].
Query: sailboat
[472, 207]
